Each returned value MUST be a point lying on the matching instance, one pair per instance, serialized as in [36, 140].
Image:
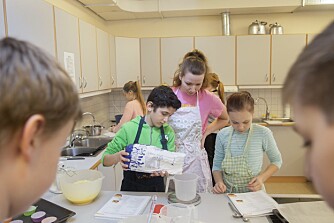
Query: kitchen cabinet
[113, 61]
[113, 177]
[220, 52]
[310, 37]
[172, 52]
[67, 37]
[103, 59]
[2, 21]
[88, 56]
[253, 60]
[150, 61]
[32, 20]
[284, 51]
[290, 145]
[127, 60]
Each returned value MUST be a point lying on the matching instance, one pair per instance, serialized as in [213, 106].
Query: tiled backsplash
[106, 106]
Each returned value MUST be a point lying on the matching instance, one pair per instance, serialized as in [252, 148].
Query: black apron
[144, 182]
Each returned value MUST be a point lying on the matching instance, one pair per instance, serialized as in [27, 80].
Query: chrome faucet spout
[90, 114]
[267, 108]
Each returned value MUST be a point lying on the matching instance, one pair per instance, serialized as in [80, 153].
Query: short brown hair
[240, 101]
[31, 82]
[310, 81]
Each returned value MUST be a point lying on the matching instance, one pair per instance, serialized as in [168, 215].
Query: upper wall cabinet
[172, 53]
[68, 48]
[113, 61]
[284, 51]
[88, 56]
[310, 37]
[127, 60]
[253, 60]
[32, 20]
[2, 21]
[150, 61]
[220, 52]
[103, 60]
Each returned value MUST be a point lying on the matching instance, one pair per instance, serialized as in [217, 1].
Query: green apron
[236, 173]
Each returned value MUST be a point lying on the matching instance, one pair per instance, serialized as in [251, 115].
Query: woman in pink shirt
[135, 105]
[190, 122]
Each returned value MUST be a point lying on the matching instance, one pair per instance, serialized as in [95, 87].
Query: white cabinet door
[113, 61]
[103, 59]
[284, 51]
[88, 56]
[32, 20]
[172, 52]
[127, 60]
[2, 21]
[289, 144]
[67, 36]
[150, 61]
[253, 60]
[220, 52]
[310, 37]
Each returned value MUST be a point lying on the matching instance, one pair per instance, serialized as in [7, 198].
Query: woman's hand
[255, 184]
[219, 188]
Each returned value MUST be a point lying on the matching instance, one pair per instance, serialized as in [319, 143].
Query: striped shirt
[262, 140]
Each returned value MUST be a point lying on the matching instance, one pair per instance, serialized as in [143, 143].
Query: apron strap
[140, 127]
[163, 138]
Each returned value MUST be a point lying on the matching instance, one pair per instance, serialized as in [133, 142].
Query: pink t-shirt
[209, 104]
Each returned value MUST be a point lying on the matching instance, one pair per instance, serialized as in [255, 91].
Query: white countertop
[213, 207]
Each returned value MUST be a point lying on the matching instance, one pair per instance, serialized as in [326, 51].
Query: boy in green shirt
[152, 129]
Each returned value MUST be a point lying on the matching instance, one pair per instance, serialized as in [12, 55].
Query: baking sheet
[51, 209]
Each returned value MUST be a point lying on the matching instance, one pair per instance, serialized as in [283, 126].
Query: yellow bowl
[82, 187]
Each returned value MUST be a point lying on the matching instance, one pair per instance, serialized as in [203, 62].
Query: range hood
[111, 10]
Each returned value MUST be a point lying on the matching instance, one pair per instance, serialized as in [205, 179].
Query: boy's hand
[219, 188]
[159, 174]
[123, 159]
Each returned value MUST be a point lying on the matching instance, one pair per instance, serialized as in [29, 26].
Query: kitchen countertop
[213, 207]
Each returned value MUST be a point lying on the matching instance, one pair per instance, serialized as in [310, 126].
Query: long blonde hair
[134, 86]
[213, 80]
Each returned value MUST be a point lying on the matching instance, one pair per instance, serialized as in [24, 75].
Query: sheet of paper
[253, 203]
[122, 206]
[307, 212]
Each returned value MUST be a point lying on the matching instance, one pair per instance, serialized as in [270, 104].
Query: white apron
[187, 124]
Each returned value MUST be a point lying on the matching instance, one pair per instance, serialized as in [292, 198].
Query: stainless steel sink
[90, 146]
[283, 120]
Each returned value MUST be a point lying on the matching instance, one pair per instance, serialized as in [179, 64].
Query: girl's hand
[219, 188]
[255, 184]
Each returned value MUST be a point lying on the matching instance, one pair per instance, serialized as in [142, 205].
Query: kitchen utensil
[236, 213]
[154, 199]
[275, 29]
[257, 27]
[93, 130]
[177, 213]
[82, 187]
[185, 186]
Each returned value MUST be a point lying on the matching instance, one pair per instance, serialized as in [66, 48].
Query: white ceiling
[112, 10]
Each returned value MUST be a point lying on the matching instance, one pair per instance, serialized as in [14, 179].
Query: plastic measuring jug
[176, 213]
[185, 186]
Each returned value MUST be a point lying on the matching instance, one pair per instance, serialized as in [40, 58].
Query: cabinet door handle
[100, 80]
[80, 82]
[113, 80]
[144, 80]
[267, 78]
[274, 77]
[85, 82]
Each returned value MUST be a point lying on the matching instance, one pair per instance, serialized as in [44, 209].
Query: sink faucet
[91, 114]
[267, 109]
[77, 135]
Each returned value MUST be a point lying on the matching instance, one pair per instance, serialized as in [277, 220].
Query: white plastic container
[185, 186]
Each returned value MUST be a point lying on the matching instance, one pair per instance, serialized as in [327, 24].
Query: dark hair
[310, 81]
[194, 62]
[240, 101]
[163, 96]
[134, 86]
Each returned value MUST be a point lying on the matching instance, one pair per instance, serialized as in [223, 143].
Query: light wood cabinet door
[68, 47]
[103, 59]
[289, 144]
[150, 61]
[32, 20]
[220, 52]
[172, 52]
[113, 61]
[310, 37]
[284, 51]
[127, 60]
[253, 60]
[2, 21]
[88, 56]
